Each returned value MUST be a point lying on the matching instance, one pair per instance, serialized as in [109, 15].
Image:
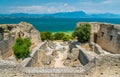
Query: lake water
[56, 24]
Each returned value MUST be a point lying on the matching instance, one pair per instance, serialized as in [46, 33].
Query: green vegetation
[58, 36]
[67, 38]
[55, 36]
[46, 36]
[21, 48]
[82, 33]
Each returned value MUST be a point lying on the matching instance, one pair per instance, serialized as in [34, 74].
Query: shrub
[67, 37]
[21, 48]
[46, 36]
[83, 33]
[58, 36]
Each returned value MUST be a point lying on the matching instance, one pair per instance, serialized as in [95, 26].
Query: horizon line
[60, 12]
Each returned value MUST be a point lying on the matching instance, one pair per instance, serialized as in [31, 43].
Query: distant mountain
[76, 14]
[21, 15]
[105, 15]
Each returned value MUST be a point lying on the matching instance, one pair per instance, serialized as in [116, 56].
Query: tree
[21, 48]
[58, 36]
[83, 33]
[46, 35]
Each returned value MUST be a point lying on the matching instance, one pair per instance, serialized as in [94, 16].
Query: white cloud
[65, 4]
[111, 6]
[48, 8]
[90, 6]
[111, 1]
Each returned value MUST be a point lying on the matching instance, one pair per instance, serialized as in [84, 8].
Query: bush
[67, 37]
[83, 33]
[58, 36]
[21, 48]
[46, 36]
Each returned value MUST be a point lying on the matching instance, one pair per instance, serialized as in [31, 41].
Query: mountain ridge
[75, 14]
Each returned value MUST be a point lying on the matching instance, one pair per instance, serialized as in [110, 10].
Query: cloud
[48, 8]
[103, 6]
[89, 6]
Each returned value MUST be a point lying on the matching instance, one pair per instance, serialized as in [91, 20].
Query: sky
[53, 6]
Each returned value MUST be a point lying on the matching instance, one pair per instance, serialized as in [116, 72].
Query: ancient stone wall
[106, 35]
[33, 58]
[105, 66]
[6, 44]
[9, 32]
[94, 29]
[101, 66]
[85, 56]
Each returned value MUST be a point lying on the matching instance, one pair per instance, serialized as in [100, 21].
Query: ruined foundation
[69, 59]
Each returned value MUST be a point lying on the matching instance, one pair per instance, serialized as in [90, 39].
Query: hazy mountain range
[76, 14]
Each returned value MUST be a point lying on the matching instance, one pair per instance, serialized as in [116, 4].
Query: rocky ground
[56, 54]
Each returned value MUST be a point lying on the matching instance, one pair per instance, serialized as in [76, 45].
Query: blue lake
[56, 24]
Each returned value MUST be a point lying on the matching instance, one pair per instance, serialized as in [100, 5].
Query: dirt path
[61, 55]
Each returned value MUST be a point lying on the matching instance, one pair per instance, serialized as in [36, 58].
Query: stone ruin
[53, 52]
[9, 33]
[106, 35]
[60, 59]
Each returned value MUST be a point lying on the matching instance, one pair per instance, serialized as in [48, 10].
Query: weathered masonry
[9, 33]
[106, 35]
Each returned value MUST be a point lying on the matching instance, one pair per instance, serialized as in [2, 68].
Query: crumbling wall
[83, 57]
[9, 32]
[105, 66]
[94, 29]
[101, 66]
[6, 42]
[33, 58]
[108, 37]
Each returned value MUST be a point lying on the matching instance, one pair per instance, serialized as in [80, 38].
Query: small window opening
[102, 34]
[111, 37]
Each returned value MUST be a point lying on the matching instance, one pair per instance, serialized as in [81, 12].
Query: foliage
[46, 35]
[58, 36]
[83, 33]
[21, 48]
[67, 37]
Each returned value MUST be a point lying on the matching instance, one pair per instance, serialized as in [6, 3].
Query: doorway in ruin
[1, 30]
[1, 33]
[95, 37]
